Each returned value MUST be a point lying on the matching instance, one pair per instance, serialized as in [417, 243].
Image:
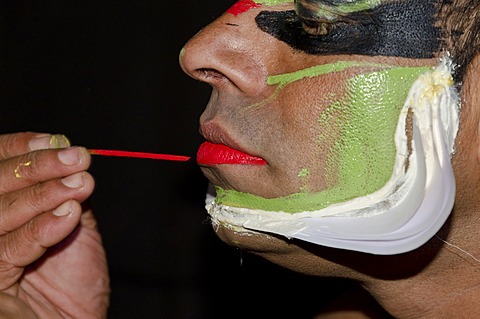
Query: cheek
[329, 136]
[339, 130]
[293, 133]
[311, 123]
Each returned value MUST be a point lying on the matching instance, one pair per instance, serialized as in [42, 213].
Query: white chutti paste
[402, 215]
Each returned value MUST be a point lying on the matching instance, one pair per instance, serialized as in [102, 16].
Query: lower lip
[215, 154]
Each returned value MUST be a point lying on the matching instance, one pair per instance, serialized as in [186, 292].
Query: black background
[106, 74]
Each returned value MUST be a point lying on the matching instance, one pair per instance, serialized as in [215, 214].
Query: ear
[466, 160]
[470, 109]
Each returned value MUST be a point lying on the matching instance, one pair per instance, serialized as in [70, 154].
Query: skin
[235, 57]
[240, 125]
[41, 250]
[52, 263]
[347, 162]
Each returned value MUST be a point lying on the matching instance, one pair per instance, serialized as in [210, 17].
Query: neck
[447, 286]
[445, 281]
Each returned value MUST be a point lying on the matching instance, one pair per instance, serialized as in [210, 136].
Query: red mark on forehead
[242, 6]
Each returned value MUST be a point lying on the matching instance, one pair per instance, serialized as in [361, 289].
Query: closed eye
[319, 17]
[313, 27]
[406, 28]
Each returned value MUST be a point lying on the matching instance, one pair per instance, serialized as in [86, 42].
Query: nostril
[209, 74]
[195, 60]
[212, 77]
[226, 59]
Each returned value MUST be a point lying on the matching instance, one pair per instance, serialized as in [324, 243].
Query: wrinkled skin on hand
[52, 263]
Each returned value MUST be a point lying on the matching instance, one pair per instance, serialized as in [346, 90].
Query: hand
[52, 263]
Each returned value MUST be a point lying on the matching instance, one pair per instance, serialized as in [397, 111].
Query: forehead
[405, 28]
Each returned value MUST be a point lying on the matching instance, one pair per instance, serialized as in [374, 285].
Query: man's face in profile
[314, 91]
[314, 105]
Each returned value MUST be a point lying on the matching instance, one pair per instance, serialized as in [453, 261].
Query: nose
[226, 54]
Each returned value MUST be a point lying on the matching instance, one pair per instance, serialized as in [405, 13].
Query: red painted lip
[215, 154]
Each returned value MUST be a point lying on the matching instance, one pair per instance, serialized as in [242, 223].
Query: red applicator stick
[166, 157]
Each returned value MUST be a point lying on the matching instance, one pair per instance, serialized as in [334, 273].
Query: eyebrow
[402, 29]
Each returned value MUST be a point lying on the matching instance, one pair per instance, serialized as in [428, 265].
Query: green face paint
[272, 2]
[357, 6]
[321, 11]
[343, 8]
[284, 79]
[361, 160]
[304, 174]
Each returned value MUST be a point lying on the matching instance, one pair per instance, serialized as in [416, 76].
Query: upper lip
[217, 134]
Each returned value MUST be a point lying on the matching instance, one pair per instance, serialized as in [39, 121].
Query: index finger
[15, 144]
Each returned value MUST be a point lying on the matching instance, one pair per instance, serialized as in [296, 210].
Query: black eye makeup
[397, 28]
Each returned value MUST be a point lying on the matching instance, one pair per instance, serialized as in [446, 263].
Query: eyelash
[313, 27]
[316, 24]
[312, 23]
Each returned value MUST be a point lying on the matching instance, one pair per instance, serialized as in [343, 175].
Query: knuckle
[36, 195]
[4, 208]
[21, 206]
[9, 274]
[6, 141]
[3, 220]
[9, 252]
[11, 255]
[28, 168]
[19, 246]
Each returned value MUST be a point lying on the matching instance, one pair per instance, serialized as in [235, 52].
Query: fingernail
[74, 181]
[46, 141]
[59, 141]
[63, 210]
[70, 156]
[40, 142]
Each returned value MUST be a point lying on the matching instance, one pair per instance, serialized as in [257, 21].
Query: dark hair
[460, 24]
